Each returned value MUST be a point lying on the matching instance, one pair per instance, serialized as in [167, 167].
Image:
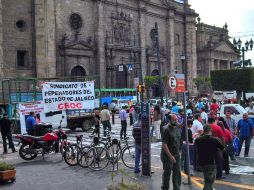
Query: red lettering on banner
[79, 105]
[69, 106]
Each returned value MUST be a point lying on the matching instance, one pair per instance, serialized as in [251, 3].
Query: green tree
[154, 80]
[203, 84]
[241, 80]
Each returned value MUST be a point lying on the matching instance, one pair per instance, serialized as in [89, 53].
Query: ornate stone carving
[121, 26]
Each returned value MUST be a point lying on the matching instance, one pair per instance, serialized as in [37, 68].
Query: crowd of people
[210, 138]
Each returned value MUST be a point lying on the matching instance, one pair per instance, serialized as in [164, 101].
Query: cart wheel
[86, 125]
[13, 180]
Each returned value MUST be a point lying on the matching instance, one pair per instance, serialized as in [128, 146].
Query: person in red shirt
[228, 141]
[213, 114]
[214, 106]
[217, 132]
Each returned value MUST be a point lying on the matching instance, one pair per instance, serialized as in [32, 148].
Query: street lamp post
[158, 60]
[184, 69]
[247, 46]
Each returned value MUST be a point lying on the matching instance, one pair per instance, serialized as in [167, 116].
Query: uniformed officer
[206, 146]
[170, 154]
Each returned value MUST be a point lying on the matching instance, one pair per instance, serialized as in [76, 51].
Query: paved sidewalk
[52, 173]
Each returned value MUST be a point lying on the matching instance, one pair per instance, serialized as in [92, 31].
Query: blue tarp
[108, 100]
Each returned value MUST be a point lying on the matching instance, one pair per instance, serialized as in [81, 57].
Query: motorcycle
[31, 146]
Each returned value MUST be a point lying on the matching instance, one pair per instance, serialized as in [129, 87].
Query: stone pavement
[52, 173]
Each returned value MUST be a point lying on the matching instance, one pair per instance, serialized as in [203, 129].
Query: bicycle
[97, 156]
[71, 151]
[82, 153]
[126, 153]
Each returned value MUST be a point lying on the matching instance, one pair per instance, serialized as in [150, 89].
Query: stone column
[228, 64]
[1, 41]
[212, 64]
[191, 52]
[100, 38]
[218, 64]
[142, 37]
[171, 42]
[45, 38]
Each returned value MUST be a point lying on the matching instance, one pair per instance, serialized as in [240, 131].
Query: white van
[218, 95]
[55, 118]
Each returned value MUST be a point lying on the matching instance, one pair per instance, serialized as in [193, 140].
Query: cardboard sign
[68, 95]
[26, 108]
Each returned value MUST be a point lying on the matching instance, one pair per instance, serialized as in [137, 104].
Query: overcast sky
[239, 15]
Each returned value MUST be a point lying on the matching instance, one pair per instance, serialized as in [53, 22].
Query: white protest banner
[26, 108]
[68, 95]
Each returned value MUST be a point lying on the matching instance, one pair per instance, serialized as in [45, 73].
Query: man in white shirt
[197, 130]
[105, 119]
[197, 127]
[203, 115]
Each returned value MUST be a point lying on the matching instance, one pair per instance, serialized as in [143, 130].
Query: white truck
[237, 111]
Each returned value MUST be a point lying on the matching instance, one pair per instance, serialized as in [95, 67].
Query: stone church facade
[214, 50]
[111, 38]
[114, 39]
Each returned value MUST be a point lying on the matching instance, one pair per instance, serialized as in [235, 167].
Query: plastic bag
[235, 144]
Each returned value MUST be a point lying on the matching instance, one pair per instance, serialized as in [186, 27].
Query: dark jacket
[5, 125]
[189, 135]
[207, 146]
[136, 132]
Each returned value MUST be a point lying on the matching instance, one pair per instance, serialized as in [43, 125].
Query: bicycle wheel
[128, 156]
[70, 154]
[97, 158]
[114, 151]
[63, 146]
[82, 156]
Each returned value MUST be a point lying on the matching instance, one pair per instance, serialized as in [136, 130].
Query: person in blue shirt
[175, 108]
[245, 130]
[123, 117]
[30, 122]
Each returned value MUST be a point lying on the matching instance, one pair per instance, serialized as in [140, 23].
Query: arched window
[155, 72]
[78, 71]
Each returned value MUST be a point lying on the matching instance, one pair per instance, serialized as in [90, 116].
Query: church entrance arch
[78, 71]
[121, 76]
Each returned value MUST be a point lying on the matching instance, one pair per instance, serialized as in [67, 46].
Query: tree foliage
[151, 80]
[235, 79]
[154, 80]
[199, 81]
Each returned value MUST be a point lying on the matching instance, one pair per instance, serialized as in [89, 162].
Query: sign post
[186, 139]
[145, 139]
[177, 84]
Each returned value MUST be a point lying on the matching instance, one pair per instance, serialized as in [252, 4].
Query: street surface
[53, 173]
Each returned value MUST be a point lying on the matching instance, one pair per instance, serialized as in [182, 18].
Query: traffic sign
[120, 68]
[172, 82]
[180, 83]
[130, 67]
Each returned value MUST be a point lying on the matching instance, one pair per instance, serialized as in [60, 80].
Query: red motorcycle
[31, 146]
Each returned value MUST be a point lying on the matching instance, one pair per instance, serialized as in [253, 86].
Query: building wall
[59, 48]
[15, 39]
